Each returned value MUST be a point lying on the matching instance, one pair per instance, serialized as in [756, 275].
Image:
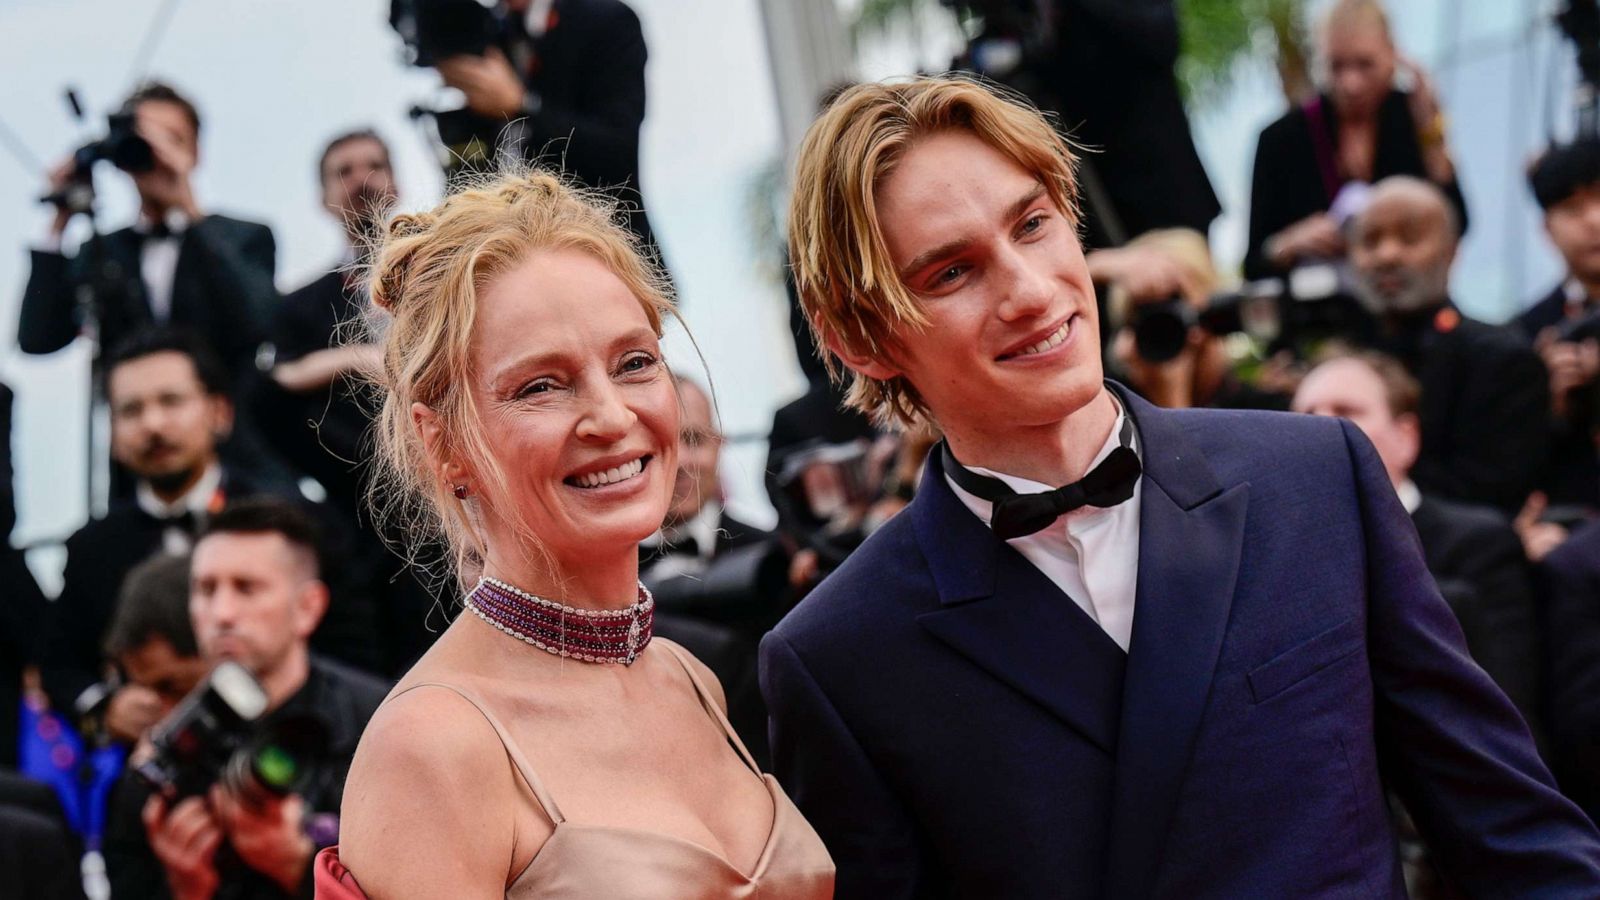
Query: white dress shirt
[158, 262]
[1091, 554]
[1410, 496]
[174, 539]
[703, 529]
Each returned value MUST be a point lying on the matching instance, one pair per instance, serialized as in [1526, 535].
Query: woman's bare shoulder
[429, 804]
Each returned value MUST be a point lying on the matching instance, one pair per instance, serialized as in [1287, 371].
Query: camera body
[437, 29]
[122, 147]
[215, 735]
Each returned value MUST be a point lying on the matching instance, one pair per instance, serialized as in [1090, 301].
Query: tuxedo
[1572, 473]
[1484, 410]
[954, 726]
[1484, 575]
[222, 290]
[1571, 577]
[99, 556]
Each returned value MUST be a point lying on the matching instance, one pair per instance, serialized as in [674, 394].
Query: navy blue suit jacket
[952, 725]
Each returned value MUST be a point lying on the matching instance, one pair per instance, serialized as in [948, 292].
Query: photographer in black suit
[169, 409]
[1484, 391]
[255, 596]
[1564, 325]
[1471, 551]
[209, 273]
[562, 84]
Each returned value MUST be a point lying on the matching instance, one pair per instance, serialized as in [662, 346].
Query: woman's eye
[638, 363]
[543, 386]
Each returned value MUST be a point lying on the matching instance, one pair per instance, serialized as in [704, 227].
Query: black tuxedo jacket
[1571, 581]
[1485, 412]
[953, 726]
[1573, 474]
[222, 289]
[1484, 575]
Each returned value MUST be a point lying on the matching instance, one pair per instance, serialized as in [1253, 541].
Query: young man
[1176, 676]
[177, 264]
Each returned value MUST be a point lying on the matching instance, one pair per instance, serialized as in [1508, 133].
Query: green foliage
[1218, 33]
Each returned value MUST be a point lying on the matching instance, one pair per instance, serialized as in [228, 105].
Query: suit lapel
[1191, 535]
[1003, 615]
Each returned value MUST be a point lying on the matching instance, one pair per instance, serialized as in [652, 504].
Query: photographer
[1484, 392]
[1564, 325]
[176, 265]
[152, 642]
[557, 82]
[1312, 163]
[256, 595]
[169, 410]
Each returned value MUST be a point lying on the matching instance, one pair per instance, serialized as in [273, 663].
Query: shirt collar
[1575, 295]
[176, 221]
[196, 500]
[1410, 496]
[983, 509]
[536, 21]
[702, 528]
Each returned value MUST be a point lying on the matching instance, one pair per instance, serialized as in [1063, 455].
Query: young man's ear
[872, 367]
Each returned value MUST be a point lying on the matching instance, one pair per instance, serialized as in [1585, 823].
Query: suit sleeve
[69, 652]
[46, 322]
[1504, 630]
[604, 130]
[826, 772]
[1498, 438]
[1450, 742]
[240, 274]
[1571, 579]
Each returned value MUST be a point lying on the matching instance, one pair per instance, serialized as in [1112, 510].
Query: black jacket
[1485, 403]
[222, 289]
[1483, 573]
[1571, 579]
[1111, 79]
[22, 606]
[342, 699]
[1287, 184]
[1572, 475]
[99, 557]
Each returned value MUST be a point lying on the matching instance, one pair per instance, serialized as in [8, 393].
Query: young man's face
[1574, 227]
[1013, 338]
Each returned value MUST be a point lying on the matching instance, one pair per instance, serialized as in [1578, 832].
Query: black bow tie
[186, 521]
[1017, 515]
[160, 230]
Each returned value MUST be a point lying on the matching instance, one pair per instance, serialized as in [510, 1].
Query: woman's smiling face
[578, 408]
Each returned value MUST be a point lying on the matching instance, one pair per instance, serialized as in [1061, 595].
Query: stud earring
[460, 491]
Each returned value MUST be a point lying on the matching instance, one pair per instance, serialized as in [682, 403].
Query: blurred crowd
[188, 702]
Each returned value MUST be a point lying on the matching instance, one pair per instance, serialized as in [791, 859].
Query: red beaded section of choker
[588, 635]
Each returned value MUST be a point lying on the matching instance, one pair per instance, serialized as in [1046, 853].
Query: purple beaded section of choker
[589, 635]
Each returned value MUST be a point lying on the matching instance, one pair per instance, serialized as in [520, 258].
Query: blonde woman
[546, 747]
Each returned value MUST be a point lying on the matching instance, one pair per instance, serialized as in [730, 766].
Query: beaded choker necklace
[590, 635]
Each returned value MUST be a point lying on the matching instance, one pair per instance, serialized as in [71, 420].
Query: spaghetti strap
[518, 761]
[710, 703]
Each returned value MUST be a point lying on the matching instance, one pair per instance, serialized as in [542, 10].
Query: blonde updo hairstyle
[426, 272]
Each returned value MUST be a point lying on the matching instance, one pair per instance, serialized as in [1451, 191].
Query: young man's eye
[950, 273]
[1034, 223]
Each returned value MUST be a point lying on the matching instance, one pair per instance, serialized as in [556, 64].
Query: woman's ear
[449, 469]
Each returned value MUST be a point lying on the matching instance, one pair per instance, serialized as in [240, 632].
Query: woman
[1358, 132]
[546, 747]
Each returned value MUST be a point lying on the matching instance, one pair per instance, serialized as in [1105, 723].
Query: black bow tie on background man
[1018, 515]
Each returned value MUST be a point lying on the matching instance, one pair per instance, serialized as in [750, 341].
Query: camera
[823, 492]
[214, 735]
[122, 147]
[1313, 303]
[436, 29]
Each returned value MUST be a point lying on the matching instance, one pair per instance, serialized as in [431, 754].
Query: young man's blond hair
[852, 295]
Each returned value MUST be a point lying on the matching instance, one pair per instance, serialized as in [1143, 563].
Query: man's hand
[489, 82]
[1571, 365]
[57, 179]
[1145, 273]
[133, 709]
[1314, 236]
[1538, 538]
[319, 368]
[184, 840]
[268, 833]
[167, 184]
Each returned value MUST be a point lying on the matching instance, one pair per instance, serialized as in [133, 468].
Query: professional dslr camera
[436, 29]
[121, 146]
[214, 736]
[1312, 304]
